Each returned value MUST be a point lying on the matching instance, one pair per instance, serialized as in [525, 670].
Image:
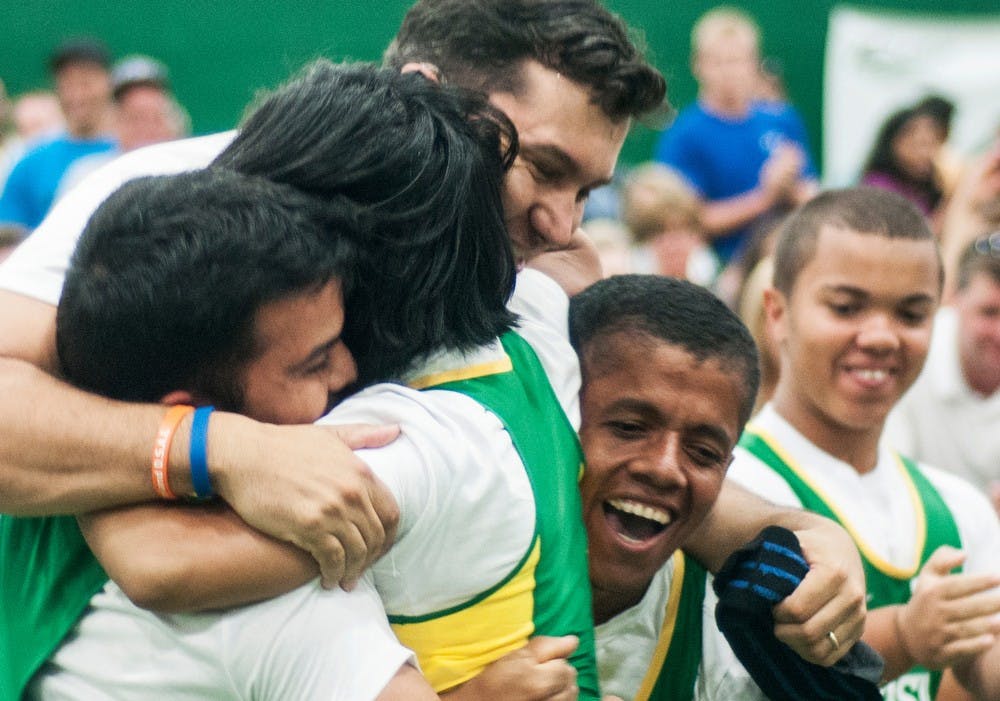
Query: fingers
[546, 648]
[805, 619]
[555, 679]
[359, 436]
[943, 560]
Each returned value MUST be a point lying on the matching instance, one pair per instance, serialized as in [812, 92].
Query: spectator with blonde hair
[661, 212]
[743, 158]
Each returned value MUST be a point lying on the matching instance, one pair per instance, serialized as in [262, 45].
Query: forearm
[720, 217]
[882, 634]
[175, 558]
[66, 451]
[736, 518]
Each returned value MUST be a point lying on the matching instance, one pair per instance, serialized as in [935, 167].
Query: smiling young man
[856, 284]
[670, 376]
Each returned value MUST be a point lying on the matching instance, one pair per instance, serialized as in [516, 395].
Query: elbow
[155, 587]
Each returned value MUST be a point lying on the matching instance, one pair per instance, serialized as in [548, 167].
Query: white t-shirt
[941, 420]
[121, 652]
[627, 643]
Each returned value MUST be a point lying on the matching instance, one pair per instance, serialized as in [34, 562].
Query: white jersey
[308, 644]
[875, 504]
[632, 645]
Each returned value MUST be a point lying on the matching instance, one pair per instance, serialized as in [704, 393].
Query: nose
[878, 334]
[662, 467]
[556, 218]
[343, 369]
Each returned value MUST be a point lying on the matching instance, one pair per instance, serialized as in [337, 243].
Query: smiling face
[568, 147]
[853, 336]
[658, 432]
[300, 362]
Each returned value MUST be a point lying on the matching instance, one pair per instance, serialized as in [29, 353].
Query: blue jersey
[722, 157]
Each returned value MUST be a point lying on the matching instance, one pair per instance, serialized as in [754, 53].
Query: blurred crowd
[98, 109]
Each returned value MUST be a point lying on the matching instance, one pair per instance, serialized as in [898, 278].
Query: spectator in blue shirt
[746, 159]
[83, 85]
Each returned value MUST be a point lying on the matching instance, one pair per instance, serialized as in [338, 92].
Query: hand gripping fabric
[752, 581]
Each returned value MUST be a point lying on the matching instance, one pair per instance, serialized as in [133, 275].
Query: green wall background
[220, 52]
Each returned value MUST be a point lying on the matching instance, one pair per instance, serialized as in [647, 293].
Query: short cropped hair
[482, 44]
[670, 311]
[722, 22]
[425, 163]
[981, 256]
[163, 289]
[865, 210]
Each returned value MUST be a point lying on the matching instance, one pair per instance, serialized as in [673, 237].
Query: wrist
[232, 438]
[905, 649]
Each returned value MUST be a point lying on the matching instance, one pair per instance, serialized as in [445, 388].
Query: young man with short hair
[857, 281]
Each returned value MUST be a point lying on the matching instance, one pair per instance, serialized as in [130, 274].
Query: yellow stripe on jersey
[493, 367]
[455, 647]
[867, 550]
[667, 631]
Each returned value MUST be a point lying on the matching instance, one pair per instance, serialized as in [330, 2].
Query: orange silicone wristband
[161, 449]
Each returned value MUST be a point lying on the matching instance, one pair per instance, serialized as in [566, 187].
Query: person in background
[661, 211]
[951, 415]
[902, 159]
[81, 70]
[145, 113]
[743, 158]
[29, 117]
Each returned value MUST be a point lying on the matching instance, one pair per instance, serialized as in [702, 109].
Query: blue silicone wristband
[198, 453]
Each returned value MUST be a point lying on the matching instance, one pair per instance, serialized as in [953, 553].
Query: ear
[178, 396]
[776, 314]
[427, 70]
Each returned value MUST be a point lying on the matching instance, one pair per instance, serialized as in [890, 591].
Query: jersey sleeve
[543, 308]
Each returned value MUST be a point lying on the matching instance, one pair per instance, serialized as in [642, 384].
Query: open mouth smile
[634, 522]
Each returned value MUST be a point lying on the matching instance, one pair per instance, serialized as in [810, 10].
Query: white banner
[878, 62]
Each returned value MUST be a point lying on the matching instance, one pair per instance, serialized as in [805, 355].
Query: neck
[725, 105]
[856, 447]
[611, 601]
